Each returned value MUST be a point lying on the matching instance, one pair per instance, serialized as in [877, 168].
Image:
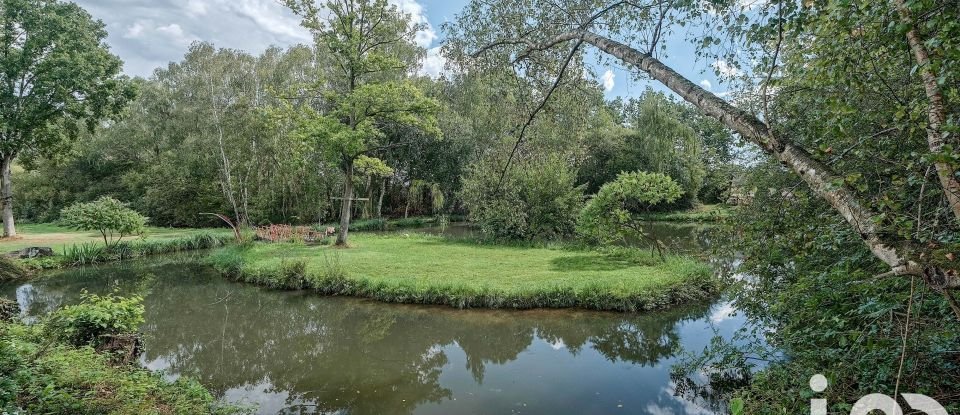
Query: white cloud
[433, 63]
[425, 37]
[725, 69]
[706, 84]
[135, 30]
[175, 33]
[607, 80]
[269, 16]
[196, 8]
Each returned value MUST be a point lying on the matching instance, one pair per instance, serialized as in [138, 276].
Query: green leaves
[106, 215]
[58, 74]
[613, 214]
[94, 317]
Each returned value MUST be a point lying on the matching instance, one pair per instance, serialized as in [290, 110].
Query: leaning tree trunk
[383, 189]
[345, 204]
[936, 113]
[818, 176]
[6, 196]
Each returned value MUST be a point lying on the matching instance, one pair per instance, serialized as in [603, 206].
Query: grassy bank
[61, 239]
[75, 248]
[41, 374]
[433, 270]
[702, 213]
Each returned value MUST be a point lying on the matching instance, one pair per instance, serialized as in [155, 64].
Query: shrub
[537, 198]
[9, 309]
[42, 377]
[94, 317]
[614, 213]
[11, 270]
[109, 216]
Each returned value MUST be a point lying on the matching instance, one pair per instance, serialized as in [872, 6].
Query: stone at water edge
[30, 252]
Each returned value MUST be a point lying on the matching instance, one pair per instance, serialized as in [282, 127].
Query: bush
[43, 377]
[94, 317]
[537, 198]
[106, 215]
[614, 213]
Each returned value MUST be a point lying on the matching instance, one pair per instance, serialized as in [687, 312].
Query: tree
[544, 31]
[373, 167]
[371, 45]
[613, 214]
[109, 216]
[538, 198]
[57, 76]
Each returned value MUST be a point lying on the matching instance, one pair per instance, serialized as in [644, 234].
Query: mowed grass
[59, 238]
[430, 269]
[701, 213]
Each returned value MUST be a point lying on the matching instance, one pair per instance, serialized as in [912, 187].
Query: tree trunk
[383, 189]
[817, 175]
[6, 196]
[368, 206]
[345, 204]
[936, 114]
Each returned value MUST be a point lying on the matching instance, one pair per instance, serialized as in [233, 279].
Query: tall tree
[546, 30]
[56, 76]
[371, 46]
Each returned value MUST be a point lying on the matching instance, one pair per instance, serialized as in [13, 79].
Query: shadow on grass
[593, 262]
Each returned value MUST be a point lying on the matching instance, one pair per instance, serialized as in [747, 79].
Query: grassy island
[433, 270]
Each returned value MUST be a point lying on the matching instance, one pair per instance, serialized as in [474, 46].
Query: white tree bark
[936, 112]
[6, 196]
[819, 177]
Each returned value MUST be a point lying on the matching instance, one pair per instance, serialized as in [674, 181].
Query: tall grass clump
[94, 253]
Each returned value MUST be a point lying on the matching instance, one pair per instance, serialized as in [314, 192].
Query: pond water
[301, 353]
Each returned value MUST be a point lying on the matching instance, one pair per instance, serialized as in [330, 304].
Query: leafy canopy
[96, 316]
[58, 74]
[106, 215]
[613, 214]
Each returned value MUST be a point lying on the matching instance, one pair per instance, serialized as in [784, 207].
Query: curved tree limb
[819, 177]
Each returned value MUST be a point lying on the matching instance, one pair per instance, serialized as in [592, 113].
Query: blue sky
[148, 34]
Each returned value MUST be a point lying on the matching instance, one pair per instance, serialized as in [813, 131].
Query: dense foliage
[51, 367]
[109, 216]
[536, 199]
[613, 215]
[57, 77]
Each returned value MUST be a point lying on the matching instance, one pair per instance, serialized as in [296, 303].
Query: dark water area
[290, 352]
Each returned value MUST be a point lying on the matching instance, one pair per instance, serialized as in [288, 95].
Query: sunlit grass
[426, 269]
[61, 238]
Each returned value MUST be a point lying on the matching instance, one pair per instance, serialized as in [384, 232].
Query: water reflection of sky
[294, 353]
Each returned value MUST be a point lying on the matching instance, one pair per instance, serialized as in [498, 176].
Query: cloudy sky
[148, 34]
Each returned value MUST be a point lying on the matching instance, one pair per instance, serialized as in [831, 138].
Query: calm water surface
[301, 353]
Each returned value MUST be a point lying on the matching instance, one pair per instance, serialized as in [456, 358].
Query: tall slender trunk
[345, 204]
[6, 196]
[818, 176]
[936, 113]
[368, 206]
[383, 189]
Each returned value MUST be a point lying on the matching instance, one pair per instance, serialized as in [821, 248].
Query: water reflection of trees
[362, 357]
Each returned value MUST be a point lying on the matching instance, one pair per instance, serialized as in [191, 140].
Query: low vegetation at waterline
[434, 270]
[42, 370]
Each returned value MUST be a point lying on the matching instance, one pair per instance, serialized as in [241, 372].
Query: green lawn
[426, 269]
[58, 237]
[702, 213]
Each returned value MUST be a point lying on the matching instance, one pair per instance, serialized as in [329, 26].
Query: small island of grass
[433, 270]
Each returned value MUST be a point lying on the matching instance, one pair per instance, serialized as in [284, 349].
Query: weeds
[92, 253]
